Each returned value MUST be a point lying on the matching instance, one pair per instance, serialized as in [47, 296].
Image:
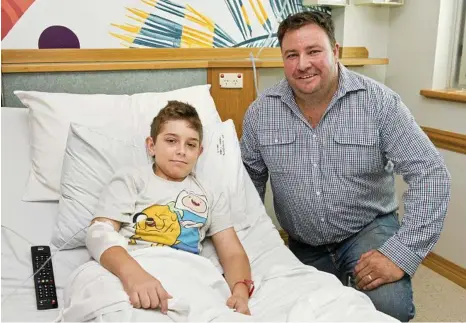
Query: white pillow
[92, 156]
[221, 161]
[50, 115]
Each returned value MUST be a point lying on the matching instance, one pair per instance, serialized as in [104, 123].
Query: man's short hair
[176, 110]
[301, 19]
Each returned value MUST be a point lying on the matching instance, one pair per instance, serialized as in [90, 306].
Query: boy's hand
[239, 299]
[239, 303]
[145, 291]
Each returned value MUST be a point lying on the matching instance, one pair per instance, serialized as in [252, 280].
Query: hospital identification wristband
[249, 284]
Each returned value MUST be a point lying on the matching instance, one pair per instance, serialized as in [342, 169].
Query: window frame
[458, 53]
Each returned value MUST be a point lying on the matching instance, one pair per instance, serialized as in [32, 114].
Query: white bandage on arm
[102, 236]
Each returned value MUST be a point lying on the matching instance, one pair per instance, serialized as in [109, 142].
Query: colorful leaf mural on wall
[12, 10]
[165, 23]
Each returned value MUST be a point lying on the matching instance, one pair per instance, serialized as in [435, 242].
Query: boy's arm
[143, 289]
[234, 261]
[231, 254]
[115, 206]
[115, 258]
[107, 245]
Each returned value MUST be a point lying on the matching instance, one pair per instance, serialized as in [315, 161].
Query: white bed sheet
[33, 221]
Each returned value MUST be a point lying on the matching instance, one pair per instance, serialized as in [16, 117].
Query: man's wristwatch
[249, 284]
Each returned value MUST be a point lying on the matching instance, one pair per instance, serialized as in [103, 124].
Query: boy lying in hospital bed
[134, 278]
[165, 205]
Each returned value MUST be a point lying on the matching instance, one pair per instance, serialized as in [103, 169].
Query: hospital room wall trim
[446, 268]
[447, 140]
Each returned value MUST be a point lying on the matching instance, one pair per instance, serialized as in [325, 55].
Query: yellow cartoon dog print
[158, 225]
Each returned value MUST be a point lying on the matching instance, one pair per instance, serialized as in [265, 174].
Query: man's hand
[145, 291]
[239, 303]
[375, 269]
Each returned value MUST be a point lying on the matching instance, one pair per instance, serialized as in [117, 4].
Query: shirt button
[313, 136]
[317, 193]
[315, 165]
[276, 140]
[322, 220]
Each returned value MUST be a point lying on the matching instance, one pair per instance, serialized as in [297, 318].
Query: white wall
[418, 31]
[412, 63]
[364, 26]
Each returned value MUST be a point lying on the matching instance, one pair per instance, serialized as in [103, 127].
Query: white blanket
[198, 289]
[286, 291]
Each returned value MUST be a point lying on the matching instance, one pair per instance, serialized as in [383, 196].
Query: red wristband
[249, 284]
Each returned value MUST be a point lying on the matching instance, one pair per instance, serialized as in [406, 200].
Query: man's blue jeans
[394, 299]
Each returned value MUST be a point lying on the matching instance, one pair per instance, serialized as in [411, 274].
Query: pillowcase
[91, 158]
[221, 161]
[50, 115]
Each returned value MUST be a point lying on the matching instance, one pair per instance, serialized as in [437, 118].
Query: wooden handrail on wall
[454, 95]
[447, 140]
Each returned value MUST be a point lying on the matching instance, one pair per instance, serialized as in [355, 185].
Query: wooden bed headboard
[128, 71]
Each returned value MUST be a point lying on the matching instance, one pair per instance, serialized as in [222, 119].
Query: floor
[437, 299]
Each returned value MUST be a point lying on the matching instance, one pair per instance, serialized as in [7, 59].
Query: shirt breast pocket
[278, 149]
[356, 152]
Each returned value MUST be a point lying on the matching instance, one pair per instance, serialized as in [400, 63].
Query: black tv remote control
[44, 281]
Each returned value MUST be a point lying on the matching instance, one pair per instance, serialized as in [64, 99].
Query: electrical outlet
[231, 80]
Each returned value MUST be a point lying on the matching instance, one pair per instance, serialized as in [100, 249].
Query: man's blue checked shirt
[330, 181]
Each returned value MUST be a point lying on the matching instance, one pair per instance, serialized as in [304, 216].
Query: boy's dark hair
[301, 19]
[176, 110]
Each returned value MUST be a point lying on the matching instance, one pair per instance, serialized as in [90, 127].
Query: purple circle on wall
[58, 37]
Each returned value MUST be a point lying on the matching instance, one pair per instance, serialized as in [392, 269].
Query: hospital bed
[286, 290]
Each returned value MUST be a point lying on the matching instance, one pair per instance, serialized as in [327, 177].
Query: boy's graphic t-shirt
[158, 212]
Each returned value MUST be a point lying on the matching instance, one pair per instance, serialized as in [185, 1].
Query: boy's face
[177, 148]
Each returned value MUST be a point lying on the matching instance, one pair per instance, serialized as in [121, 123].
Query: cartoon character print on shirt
[192, 209]
[158, 225]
